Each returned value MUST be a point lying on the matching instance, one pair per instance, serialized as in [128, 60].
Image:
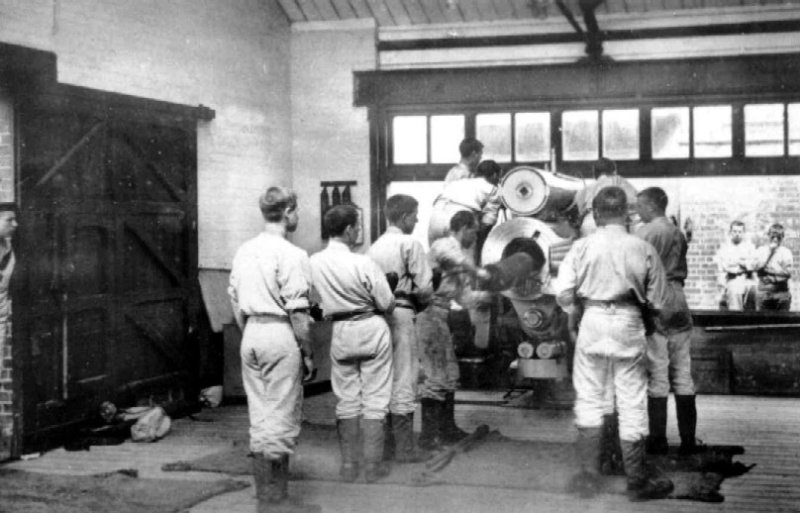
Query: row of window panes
[711, 125]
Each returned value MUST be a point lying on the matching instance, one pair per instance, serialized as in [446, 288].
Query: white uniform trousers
[405, 361]
[361, 370]
[610, 353]
[271, 376]
[740, 293]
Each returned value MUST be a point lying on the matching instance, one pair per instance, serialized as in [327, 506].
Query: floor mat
[120, 492]
[497, 462]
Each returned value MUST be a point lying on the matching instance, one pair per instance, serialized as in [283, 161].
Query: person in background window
[736, 262]
[269, 288]
[605, 175]
[479, 195]
[471, 151]
[355, 296]
[669, 360]
[774, 268]
[396, 251]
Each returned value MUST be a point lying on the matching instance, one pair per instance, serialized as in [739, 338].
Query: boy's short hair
[275, 201]
[398, 206]
[461, 219]
[338, 218]
[610, 202]
[469, 146]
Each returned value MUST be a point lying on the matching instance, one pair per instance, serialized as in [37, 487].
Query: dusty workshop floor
[768, 428]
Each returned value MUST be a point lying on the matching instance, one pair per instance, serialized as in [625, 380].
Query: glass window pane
[763, 130]
[446, 134]
[670, 132]
[579, 132]
[793, 114]
[410, 139]
[425, 193]
[533, 136]
[494, 131]
[712, 132]
[621, 134]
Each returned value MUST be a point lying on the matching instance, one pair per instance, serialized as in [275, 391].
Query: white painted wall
[330, 137]
[232, 56]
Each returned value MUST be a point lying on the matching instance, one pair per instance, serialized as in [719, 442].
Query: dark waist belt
[731, 276]
[610, 303]
[267, 318]
[779, 286]
[351, 316]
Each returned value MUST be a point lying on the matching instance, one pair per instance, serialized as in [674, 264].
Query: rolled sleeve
[566, 282]
[294, 281]
[379, 287]
[420, 271]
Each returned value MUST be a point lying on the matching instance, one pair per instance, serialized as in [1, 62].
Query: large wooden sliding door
[106, 297]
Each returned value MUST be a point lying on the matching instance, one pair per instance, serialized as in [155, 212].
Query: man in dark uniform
[669, 347]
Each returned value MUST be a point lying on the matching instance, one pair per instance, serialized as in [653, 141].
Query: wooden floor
[768, 428]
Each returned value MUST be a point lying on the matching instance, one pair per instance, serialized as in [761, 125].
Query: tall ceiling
[405, 13]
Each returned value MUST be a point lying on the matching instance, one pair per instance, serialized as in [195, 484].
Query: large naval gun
[529, 326]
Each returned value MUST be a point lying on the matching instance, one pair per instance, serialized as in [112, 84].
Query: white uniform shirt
[780, 263]
[458, 172]
[736, 259]
[611, 265]
[269, 275]
[401, 253]
[475, 194]
[349, 282]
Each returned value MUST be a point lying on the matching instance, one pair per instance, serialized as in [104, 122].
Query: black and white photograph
[446, 256]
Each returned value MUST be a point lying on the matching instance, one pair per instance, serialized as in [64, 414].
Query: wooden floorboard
[768, 428]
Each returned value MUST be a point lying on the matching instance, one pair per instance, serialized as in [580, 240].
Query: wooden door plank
[68, 155]
[150, 245]
[163, 346]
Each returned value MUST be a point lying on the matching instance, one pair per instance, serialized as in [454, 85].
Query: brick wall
[712, 203]
[330, 137]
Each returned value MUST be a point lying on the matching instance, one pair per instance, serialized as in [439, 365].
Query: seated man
[736, 262]
[774, 268]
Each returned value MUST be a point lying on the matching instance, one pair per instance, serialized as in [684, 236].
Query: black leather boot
[262, 476]
[611, 463]
[374, 466]
[641, 486]
[389, 444]
[451, 433]
[406, 450]
[686, 411]
[348, 430]
[430, 438]
[657, 417]
[587, 482]
[280, 479]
